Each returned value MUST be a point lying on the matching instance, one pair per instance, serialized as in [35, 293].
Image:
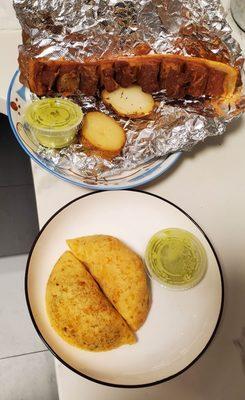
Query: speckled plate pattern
[19, 95]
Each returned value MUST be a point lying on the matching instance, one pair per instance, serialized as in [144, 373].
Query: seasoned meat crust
[178, 76]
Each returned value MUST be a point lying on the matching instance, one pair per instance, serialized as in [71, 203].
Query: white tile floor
[17, 334]
[29, 377]
[26, 367]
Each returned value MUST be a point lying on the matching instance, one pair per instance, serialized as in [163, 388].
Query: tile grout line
[23, 354]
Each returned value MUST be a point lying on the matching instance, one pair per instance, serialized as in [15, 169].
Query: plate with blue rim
[17, 99]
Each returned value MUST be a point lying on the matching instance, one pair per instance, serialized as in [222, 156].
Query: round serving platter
[19, 96]
[180, 324]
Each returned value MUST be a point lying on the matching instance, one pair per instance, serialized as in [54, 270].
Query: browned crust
[91, 150]
[107, 76]
[125, 73]
[173, 78]
[89, 79]
[147, 76]
[180, 76]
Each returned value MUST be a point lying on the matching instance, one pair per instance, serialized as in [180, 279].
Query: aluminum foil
[76, 29]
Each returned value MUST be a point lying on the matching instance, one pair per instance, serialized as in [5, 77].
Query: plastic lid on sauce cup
[176, 259]
[54, 121]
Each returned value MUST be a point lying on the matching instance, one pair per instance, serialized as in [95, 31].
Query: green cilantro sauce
[176, 258]
[54, 121]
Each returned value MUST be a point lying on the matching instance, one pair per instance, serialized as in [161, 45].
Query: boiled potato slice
[129, 102]
[101, 135]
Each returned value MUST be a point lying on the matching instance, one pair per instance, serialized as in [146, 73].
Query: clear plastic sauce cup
[54, 122]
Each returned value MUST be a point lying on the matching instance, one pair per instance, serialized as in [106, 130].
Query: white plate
[19, 95]
[180, 325]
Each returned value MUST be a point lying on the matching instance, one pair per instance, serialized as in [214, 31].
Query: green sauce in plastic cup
[54, 121]
[176, 259]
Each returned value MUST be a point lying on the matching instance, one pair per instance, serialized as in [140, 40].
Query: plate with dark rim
[180, 324]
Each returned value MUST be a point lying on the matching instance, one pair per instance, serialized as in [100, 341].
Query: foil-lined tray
[78, 29]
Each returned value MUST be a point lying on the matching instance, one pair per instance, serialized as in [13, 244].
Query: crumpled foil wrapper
[75, 29]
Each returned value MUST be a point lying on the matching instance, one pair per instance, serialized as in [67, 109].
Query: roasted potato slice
[129, 102]
[101, 135]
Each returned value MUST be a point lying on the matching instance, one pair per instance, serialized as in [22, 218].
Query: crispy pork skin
[177, 75]
[107, 77]
[126, 74]
[89, 78]
[173, 78]
[215, 85]
[68, 78]
[148, 76]
[197, 77]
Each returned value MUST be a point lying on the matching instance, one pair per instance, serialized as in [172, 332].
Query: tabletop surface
[209, 184]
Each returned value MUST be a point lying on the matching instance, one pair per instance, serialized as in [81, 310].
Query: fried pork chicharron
[179, 76]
